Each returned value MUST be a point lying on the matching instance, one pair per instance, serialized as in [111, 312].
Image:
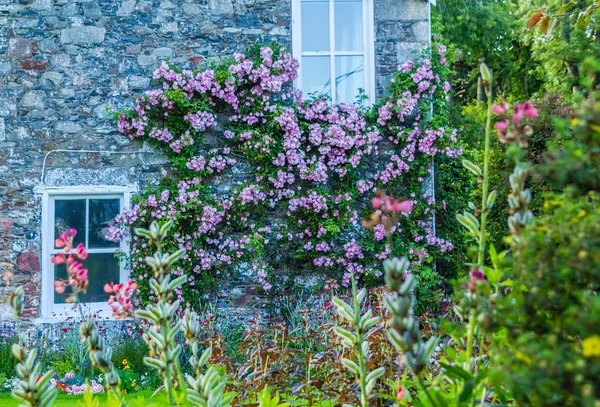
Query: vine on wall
[273, 184]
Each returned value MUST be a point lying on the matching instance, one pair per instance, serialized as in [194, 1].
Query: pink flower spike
[497, 110]
[58, 259]
[82, 275]
[59, 287]
[518, 115]
[529, 110]
[60, 242]
[388, 204]
[376, 203]
[72, 232]
[82, 251]
[501, 126]
[108, 288]
[402, 206]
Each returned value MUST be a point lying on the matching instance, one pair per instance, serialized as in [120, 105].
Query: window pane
[349, 77]
[316, 75]
[70, 213]
[102, 215]
[348, 26]
[315, 26]
[102, 268]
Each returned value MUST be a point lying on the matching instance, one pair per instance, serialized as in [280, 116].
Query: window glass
[102, 268]
[336, 48]
[348, 26]
[349, 77]
[91, 216]
[70, 213]
[316, 75]
[315, 26]
[102, 213]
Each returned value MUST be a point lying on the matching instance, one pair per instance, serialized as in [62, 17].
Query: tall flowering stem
[162, 330]
[488, 81]
[357, 340]
[404, 333]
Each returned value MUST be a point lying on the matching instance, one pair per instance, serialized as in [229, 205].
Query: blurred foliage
[549, 343]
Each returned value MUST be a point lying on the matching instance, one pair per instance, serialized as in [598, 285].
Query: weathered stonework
[64, 62]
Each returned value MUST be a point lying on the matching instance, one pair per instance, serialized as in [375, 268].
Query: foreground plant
[31, 387]
[357, 341]
[163, 326]
[404, 333]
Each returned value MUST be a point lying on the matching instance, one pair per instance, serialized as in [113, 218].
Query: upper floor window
[90, 211]
[333, 41]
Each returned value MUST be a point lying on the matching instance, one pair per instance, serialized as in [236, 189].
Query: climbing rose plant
[268, 183]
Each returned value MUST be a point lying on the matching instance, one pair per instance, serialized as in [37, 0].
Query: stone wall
[63, 63]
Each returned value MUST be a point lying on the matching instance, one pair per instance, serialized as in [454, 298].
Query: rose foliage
[267, 182]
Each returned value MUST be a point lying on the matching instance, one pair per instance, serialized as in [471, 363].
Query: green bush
[555, 306]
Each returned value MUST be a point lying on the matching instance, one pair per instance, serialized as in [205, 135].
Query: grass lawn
[66, 400]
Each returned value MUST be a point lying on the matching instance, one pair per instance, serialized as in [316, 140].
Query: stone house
[64, 62]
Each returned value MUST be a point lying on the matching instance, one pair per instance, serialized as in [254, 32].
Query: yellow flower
[124, 362]
[124, 391]
[127, 367]
[133, 384]
[591, 346]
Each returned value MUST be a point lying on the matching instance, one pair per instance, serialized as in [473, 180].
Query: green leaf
[457, 372]
[565, 8]
[471, 166]
[350, 365]
[467, 391]
[486, 74]
[468, 224]
[344, 333]
[491, 199]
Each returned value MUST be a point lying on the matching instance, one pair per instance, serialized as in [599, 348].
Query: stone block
[34, 99]
[2, 138]
[127, 7]
[68, 127]
[163, 52]
[146, 61]
[169, 27]
[92, 9]
[48, 46]
[34, 65]
[28, 262]
[420, 31]
[220, 6]
[5, 67]
[138, 82]
[61, 60]
[20, 48]
[5, 223]
[133, 49]
[167, 5]
[85, 34]
[190, 8]
[42, 4]
[401, 9]
[408, 51]
[52, 79]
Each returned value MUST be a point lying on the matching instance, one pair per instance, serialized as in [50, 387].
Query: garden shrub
[268, 183]
[549, 341]
[555, 308]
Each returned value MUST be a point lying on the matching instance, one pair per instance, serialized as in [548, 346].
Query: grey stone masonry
[65, 63]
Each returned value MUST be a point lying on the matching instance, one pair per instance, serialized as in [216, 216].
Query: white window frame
[368, 47]
[51, 312]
